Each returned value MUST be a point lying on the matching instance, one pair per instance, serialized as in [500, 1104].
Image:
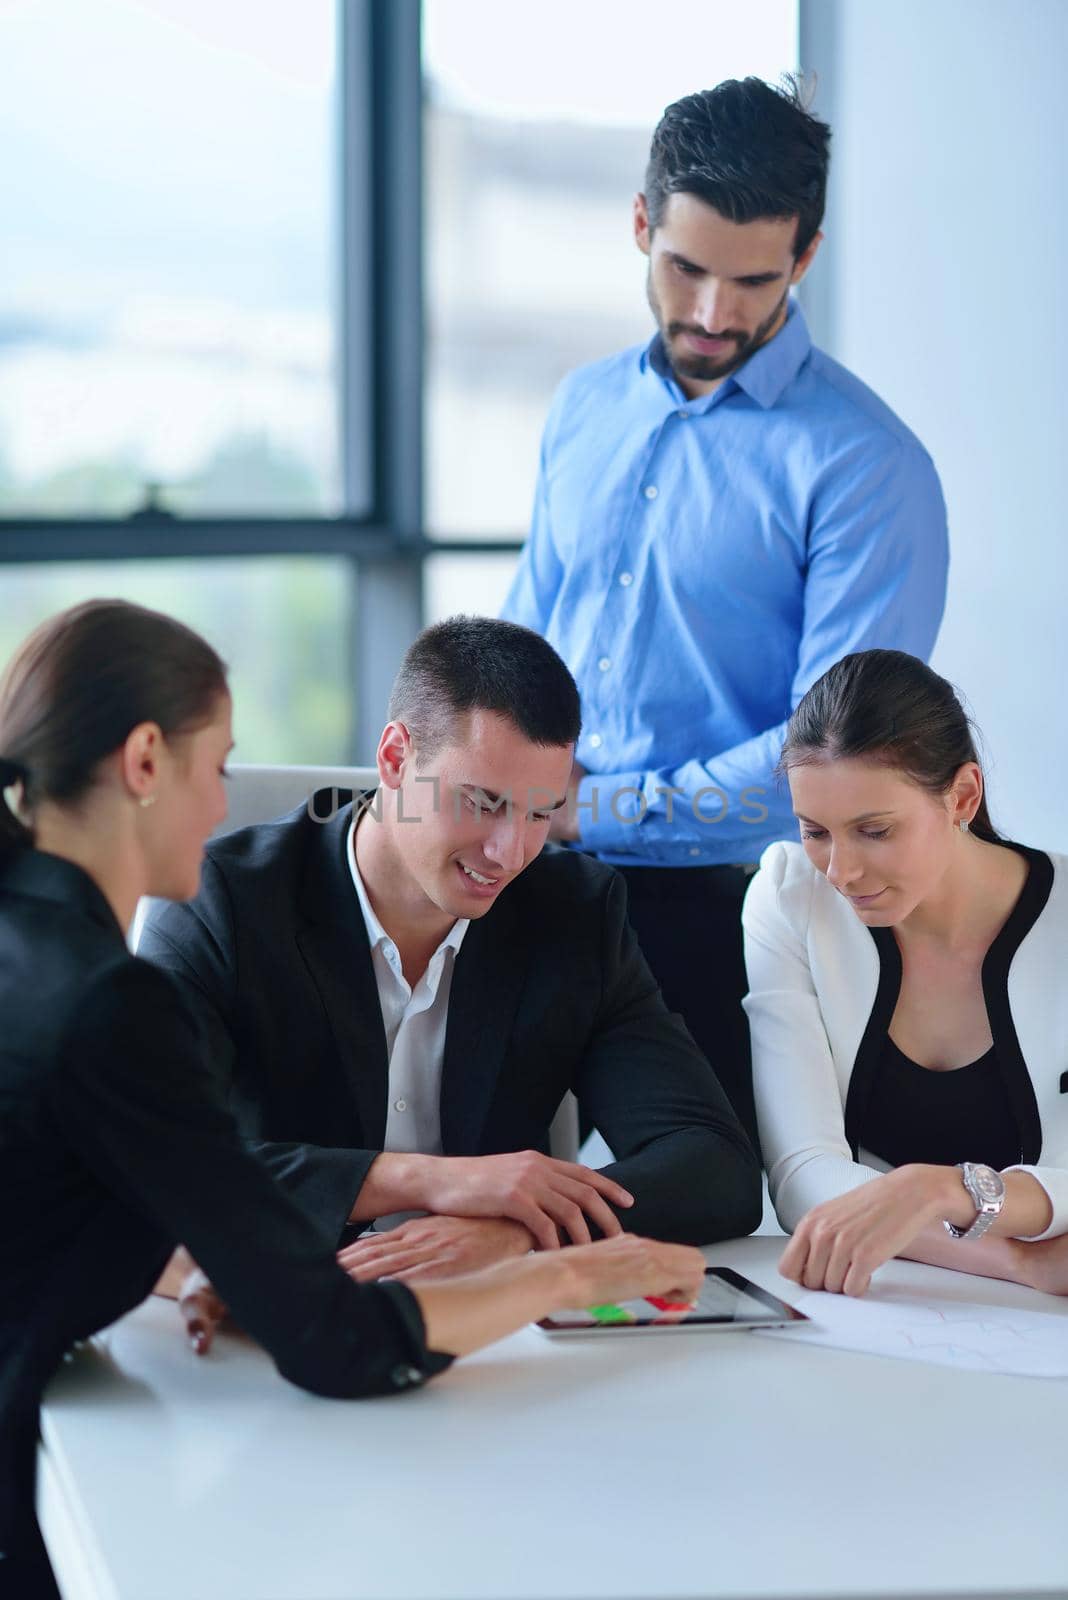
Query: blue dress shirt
[699, 563]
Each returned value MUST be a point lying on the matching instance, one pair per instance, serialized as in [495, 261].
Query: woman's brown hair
[884, 705]
[77, 687]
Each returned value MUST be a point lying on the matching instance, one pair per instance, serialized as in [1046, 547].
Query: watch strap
[986, 1189]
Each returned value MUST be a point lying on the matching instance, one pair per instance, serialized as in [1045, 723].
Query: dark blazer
[113, 1145]
[550, 992]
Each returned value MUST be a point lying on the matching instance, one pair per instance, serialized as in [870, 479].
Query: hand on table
[628, 1267]
[427, 1248]
[839, 1244]
[542, 1193]
[202, 1310]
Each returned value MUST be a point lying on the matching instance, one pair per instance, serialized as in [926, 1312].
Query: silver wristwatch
[987, 1190]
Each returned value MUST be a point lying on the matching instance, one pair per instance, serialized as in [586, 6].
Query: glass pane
[281, 624]
[166, 242]
[538, 121]
[473, 584]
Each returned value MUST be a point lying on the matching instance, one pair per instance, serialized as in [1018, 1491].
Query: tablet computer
[726, 1300]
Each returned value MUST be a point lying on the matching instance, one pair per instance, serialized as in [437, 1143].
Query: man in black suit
[399, 995]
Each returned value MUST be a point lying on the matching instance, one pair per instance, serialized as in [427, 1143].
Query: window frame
[380, 309]
[381, 323]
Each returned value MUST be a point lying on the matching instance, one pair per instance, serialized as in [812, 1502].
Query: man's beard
[708, 368]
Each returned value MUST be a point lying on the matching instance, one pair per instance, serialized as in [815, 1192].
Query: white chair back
[259, 793]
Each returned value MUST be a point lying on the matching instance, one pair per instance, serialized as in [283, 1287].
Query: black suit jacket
[113, 1145]
[549, 992]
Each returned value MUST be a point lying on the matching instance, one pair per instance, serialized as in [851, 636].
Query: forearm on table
[694, 1187]
[1003, 1250]
[990, 1257]
[467, 1313]
[1026, 1212]
[395, 1181]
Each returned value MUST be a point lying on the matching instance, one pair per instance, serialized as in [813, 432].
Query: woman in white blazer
[907, 998]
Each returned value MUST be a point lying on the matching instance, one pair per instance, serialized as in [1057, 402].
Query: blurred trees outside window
[170, 281]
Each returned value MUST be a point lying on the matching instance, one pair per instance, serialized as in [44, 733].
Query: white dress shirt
[414, 1022]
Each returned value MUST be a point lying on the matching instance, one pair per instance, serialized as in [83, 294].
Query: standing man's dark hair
[482, 664]
[748, 150]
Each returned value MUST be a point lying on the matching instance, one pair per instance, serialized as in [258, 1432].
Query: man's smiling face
[479, 812]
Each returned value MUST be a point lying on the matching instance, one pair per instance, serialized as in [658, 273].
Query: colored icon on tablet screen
[611, 1314]
[669, 1305]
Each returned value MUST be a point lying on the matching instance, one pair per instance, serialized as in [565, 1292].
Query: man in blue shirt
[720, 515]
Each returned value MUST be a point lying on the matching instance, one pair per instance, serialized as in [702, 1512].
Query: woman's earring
[963, 824]
[150, 800]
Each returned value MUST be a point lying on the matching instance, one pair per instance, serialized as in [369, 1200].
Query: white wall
[942, 283]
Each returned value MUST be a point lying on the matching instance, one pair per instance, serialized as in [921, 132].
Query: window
[282, 625]
[213, 350]
[166, 325]
[472, 583]
[537, 128]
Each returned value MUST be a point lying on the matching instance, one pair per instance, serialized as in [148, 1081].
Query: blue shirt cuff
[611, 806]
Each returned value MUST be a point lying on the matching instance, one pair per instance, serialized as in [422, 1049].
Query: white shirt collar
[376, 934]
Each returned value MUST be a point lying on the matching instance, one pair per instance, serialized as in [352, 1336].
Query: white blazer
[822, 991]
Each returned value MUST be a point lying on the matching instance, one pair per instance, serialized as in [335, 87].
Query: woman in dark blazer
[114, 729]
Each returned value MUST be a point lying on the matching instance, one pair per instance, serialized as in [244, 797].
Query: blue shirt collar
[763, 377]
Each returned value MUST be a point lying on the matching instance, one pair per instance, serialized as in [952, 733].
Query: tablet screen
[726, 1300]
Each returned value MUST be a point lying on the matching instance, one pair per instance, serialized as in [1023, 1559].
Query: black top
[113, 1147]
[1008, 1062]
[550, 992]
[917, 1114]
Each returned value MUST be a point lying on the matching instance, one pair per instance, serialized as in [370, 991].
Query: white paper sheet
[890, 1321]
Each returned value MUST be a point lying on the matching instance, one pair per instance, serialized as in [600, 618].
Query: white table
[718, 1465]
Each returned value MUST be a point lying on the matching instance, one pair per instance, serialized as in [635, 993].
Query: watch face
[986, 1183]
